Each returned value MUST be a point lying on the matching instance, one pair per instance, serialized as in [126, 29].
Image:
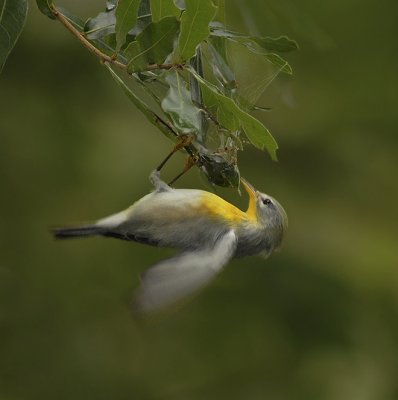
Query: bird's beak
[251, 211]
[251, 191]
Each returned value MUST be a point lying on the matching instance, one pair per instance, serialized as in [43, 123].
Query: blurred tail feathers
[95, 230]
[77, 231]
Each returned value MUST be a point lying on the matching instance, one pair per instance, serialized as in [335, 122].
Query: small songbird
[208, 230]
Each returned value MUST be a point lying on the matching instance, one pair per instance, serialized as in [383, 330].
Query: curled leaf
[178, 104]
[101, 25]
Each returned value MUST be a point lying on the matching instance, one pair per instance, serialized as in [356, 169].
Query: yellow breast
[217, 207]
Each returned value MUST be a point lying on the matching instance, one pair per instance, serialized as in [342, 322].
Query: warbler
[208, 230]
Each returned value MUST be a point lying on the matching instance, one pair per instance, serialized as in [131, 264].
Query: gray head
[268, 213]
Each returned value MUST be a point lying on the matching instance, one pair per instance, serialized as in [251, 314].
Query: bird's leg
[183, 140]
[154, 177]
[190, 162]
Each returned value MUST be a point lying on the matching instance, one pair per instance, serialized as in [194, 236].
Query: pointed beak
[251, 191]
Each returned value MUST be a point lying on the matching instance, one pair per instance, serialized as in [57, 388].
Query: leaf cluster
[176, 56]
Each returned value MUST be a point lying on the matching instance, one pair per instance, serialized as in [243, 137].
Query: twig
[102, 56]
[162, 66]
[80, 36]
[163, 125]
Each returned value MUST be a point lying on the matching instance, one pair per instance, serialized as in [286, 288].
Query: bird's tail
[77, 231]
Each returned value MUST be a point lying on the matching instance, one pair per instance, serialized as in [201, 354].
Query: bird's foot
[182, 141]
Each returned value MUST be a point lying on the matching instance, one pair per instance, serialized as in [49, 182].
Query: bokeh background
[316, 321]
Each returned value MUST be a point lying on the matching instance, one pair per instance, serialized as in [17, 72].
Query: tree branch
[83, 40]
[102, 56]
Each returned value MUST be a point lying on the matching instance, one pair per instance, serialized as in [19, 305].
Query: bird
[207, 230]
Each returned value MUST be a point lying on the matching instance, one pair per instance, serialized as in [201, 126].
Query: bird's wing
[177, 277]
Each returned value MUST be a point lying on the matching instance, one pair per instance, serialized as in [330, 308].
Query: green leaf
[196, 95]
[150, 115]
[194, 26]
[163, 8]
[144, 18]
[246, 105]
[101, 25]
[12, 20]
[126, 18]
[232, 117]
[273, 58]
[136, 60]
[153, 44]
[280, 44]
[279, 62]
[178, 104]
[261, 46]
[45, 7]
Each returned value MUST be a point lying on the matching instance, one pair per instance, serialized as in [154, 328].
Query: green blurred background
[316, 321]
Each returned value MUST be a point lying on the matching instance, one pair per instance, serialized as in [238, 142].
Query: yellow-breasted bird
[208, 230]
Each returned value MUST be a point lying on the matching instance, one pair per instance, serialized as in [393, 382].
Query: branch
[102, 56]
[163, 66]
[81, 37]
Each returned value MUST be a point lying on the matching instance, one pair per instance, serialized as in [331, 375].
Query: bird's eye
[267, 202]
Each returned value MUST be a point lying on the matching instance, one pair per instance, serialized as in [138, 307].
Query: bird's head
[267, 212]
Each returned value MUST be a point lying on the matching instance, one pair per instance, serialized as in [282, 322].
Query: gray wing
[177, 277]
